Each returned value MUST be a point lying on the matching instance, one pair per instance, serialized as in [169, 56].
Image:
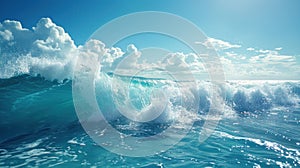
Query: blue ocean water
[259, 127]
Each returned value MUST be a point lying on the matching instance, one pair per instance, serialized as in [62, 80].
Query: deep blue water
[259, 127]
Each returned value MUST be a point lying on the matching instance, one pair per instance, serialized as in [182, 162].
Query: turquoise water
[259, 127]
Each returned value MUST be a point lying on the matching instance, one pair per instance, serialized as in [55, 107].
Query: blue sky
[257, 23]
[267, 26]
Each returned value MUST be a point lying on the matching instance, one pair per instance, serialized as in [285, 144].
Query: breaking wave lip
[240, 96]
[268, 96]
[252, 96]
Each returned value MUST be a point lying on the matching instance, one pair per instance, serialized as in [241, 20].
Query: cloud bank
[46, 50]
[260, 64]
[49, 51]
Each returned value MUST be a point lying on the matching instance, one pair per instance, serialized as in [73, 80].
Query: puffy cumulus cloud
[106, 56]
[46, 50]
[6, 35]
[49, 51]
[131, 59]
[183, 62]
[218, 44]
[52, 40]
[46, 37]
[96, 48]
[142, 63]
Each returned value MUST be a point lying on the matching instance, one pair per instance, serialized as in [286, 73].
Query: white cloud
[218, 44]
[250, 49]
[6, 35]
[130, 60]
[46, 50]
[49, 51]
[263, 51]
[272, 59]
[232, 55]
[268, 64]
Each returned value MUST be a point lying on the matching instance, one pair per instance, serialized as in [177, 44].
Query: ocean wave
[34, 103]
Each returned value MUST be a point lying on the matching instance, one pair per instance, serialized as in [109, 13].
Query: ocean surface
[259, 126]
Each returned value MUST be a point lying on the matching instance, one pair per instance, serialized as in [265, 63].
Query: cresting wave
[44, 104]
[241, 97]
